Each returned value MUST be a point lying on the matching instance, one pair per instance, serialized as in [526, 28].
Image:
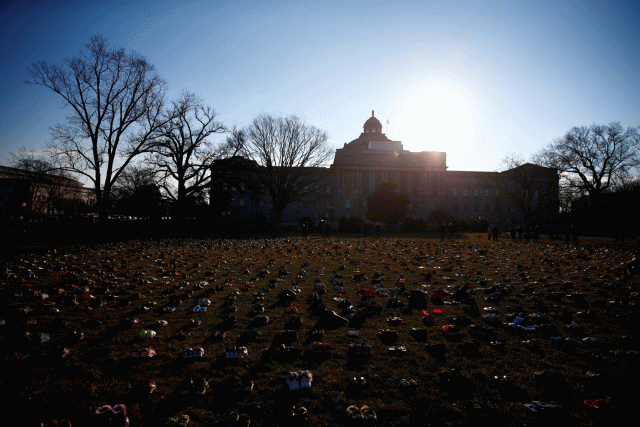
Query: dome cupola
[372, 125]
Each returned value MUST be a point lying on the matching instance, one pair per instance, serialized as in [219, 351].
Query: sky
[480, 80]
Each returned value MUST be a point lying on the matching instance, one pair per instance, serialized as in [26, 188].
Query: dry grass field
[76, 298]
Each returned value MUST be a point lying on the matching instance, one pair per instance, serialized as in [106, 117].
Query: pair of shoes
[115, 416]
[299, 379]
[291, 309]
[199, 309]
[320, 348]
[235, 352]
[450, 330]
[397, 350]
[147, 333]
[363, 413]
[299, 411]
[357, 384]
[408, 385]
[196, 351]
[360, 349]
[394, 321]
[179, 421]
[143, 352]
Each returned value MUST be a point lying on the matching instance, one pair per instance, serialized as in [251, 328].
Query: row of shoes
[299, 379]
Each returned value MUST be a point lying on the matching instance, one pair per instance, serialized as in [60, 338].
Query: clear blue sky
[477, 79]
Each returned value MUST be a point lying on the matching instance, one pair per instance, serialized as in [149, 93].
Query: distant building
[524, 195]
[23, 191]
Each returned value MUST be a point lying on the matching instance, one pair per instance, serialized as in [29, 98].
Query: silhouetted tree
[136, 193]
[592, 159]
[183, 154]
[289, 153]
[116, 103]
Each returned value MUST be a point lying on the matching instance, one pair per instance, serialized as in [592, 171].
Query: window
[477, 209]
[364, 203]
[465, 192]
[347, 204]
[487, 208]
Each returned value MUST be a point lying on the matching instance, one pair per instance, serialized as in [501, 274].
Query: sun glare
[435, 117]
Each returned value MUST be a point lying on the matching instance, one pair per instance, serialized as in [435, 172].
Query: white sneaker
[305, 379]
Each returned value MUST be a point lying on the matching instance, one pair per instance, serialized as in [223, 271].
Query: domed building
[361, 165]
[523, 195]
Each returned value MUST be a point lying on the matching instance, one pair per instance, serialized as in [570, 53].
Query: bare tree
[136, 193]
[183, 154]
[289, 154]
[593, 159]
[530, 187]
[116, 102]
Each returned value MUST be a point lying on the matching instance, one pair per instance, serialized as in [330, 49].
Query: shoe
[147, 386]
[532, 343]
[135, 353]
[299, 411]
[120, 418]
[147, 352]
[187, 385]
[305, 379]
[451, 330]
[368, 414]
[241, 352]
[197, 351]
[187, 352]
[293, 381]
[354, 413]
[200, 385]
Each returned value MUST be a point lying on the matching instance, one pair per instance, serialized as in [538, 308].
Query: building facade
[524, 195]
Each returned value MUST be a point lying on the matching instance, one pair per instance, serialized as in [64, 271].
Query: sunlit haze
[477, 79]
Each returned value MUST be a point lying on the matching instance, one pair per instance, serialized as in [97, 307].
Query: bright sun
[435, 117]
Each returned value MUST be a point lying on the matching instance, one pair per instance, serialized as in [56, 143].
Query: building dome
[372, 125]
